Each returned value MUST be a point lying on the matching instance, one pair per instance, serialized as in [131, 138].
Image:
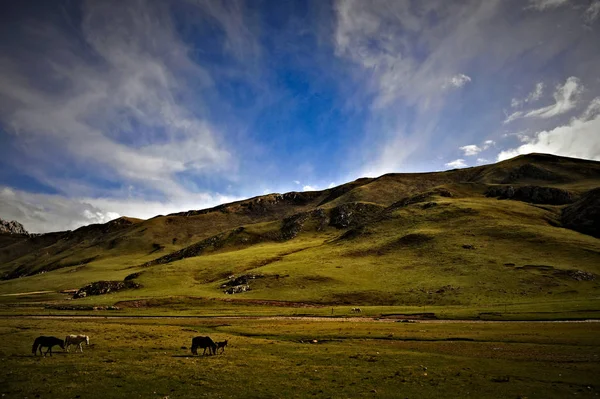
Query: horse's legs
[80, 347]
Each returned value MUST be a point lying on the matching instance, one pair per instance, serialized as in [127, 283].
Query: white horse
[76, 340]
[356, 310]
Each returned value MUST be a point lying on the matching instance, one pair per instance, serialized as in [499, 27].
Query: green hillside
[519, 232]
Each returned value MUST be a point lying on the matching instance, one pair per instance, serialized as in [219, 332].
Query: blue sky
[141, 108]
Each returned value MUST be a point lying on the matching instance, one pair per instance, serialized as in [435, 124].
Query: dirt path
[28, 293]
[294, 318]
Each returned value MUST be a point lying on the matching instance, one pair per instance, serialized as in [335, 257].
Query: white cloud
[533, 96]
[546, 4]
[514, 116]
[482, 161]
[488, 143]
[566, 97]
[592, 12]
[458, 163]
[331, 185]
[309, 188]
[536, 94]
[457, 81]
[592, 110]
[470, 150]
[578, 138]
[296, 182]
[41, 213]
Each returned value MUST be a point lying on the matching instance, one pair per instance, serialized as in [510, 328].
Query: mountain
[524, 229]
[12, 227]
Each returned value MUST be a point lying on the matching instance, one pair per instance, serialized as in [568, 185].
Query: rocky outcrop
[421, 197]
[532, 194]
[259, 205]
[237, 285]
[214, 242]
[104, 287]
[294, 224]
[353, 214]
[584, 214]
[12, 227]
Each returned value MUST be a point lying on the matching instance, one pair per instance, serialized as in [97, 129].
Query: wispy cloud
[533, 96]
[565, 96]
[115, 105]
[546, 4]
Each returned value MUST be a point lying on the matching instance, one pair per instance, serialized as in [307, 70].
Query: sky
[139, 108]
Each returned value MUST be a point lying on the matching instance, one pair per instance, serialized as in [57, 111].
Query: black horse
[46, 342]
[203, 342]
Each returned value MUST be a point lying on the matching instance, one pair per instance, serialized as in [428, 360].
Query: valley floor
[290, 357]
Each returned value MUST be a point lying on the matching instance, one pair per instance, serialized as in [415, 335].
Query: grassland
[275, 358]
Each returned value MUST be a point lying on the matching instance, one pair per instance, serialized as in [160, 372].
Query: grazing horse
[356, 310]
[203, 342]
[221, 345]
[46, 342]
[76, 340]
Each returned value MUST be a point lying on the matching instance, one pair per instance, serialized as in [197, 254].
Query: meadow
[280, 357]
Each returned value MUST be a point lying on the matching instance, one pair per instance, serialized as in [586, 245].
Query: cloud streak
[566, 97]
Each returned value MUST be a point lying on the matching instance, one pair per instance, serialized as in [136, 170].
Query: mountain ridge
[521, 211]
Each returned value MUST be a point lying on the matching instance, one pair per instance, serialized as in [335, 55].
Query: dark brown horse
[46, 342]
[205, 343]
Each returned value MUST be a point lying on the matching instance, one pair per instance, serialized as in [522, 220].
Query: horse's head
[61, 344]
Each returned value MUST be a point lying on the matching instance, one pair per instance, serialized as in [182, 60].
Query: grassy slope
[410, 257]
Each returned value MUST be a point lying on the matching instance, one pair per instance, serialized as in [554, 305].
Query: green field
[276, 358]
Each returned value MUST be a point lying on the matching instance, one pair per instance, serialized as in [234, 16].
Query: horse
[356, 310]
[203, 342]
[221, 345]
[76, 340]
[46, 342]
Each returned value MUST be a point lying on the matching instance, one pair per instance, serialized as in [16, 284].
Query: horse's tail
[35, 346]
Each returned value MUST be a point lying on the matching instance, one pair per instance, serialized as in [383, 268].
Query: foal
[46, 342]
[221, 345]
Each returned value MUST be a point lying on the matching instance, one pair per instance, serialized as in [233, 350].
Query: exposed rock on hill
[293, 225]
[353, 214]
[533, 194]
[584, 215]
[421, 197]
[104, 287]
[12, 227]
[198, 248]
